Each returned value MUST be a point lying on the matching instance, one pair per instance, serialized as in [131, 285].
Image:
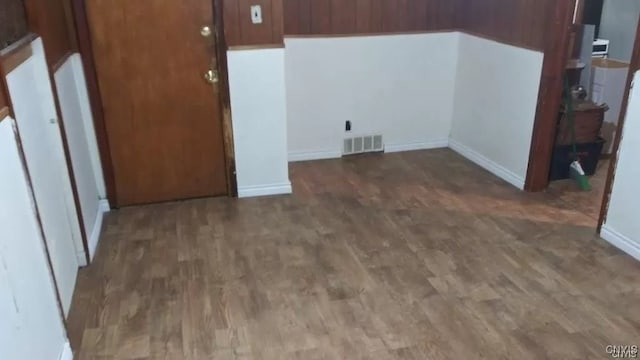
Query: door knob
[211, 77]
[205, 31]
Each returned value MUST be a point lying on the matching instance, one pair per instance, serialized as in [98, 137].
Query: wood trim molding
[4, 113]
[17, 53]
[14, 59]
[10, 58]
[256, 47]
[549, 97]
[5, 101]
[502, 41]
[420, 32]
[611, 175]
[389, 33]
[578, 16]
[55, 67]
[225, 98]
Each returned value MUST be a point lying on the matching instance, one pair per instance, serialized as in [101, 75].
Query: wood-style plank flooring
[419, 255]
[588, 203]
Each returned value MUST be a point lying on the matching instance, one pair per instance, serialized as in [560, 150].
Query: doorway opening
[603, 52]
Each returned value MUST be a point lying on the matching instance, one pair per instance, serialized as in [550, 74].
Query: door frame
[546, 117]
[634, 66]
[85, 48]
[556, 55]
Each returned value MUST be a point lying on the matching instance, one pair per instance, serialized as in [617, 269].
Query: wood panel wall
[4, 100]
[340, 17]
[51, 19]
[556, 55]
[526, 23]
[13, 22]
[240, 31]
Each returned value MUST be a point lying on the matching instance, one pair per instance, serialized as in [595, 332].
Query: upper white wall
[401, 86]
[496, 95]
[78, 126]
[30, 323]
[258, 107]
[622, 227]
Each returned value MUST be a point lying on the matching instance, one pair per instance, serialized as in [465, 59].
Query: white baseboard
[264, 190]
[435, 144]
[82, 258]
[94, 237]
[620, 241]
[389, 148]
[488, 164]
[314, 155]
[66, 353]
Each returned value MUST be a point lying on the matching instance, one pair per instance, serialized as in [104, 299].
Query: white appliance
[601, 48]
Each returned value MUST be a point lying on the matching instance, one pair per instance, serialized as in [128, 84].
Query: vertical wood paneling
[342, 17]
[417, 14]
[377, 14]
[344, 21]
[240, 31]
[255, 33]
[231, 22]
[363, 15]
[13, 22]
[320, 17]
[390, 11]
[304, 17]
[49, 20]
[292, 12]
[277, 21]
[528, 23]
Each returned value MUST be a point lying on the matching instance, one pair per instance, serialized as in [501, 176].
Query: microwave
[601, 48]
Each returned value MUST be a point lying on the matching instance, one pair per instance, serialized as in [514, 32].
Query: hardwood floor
[586, 202]
[417, 255]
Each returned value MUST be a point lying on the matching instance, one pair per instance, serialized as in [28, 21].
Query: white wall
[30, 323]
[622, 227]
[618, 24]
[400, 86]
[258, 105]
[78, 126]
[495, 105]
[34, 107]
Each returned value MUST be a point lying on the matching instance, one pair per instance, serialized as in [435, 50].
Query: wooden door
[163, 120]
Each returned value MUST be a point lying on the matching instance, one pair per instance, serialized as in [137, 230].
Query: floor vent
[363, 144]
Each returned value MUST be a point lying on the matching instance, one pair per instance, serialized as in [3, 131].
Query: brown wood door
[163, 120]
